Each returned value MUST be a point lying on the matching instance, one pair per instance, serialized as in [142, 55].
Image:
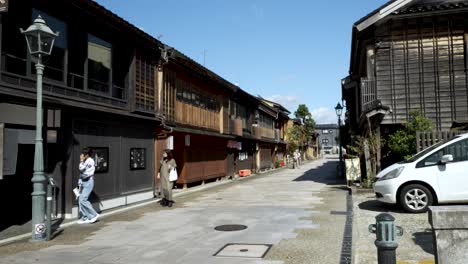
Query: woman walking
[86, 182]
[165, 166]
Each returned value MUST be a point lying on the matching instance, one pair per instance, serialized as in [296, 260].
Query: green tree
[305, 116]
[402, 143]
[299, 135]
[302, 112]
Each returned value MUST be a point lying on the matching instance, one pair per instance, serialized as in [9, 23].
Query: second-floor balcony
[368, 94]
[236, 127]
[58, 83]
[260, 132]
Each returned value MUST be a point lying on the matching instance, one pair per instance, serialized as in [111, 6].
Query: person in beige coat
[166, 164]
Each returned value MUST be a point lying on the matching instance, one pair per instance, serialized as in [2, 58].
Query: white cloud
[324, 115]
[288, 101]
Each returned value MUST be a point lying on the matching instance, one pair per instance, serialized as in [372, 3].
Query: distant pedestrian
[296, 158]
[86, 182]
[166, 164]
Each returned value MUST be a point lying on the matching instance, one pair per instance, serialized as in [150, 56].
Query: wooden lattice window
[168, 95]
[145, 84]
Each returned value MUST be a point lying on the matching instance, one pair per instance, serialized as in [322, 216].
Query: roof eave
[381, 13]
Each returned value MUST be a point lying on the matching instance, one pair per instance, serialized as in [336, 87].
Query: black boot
[163, 202]
[169, 203]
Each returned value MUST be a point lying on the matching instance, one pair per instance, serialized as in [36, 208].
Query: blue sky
[292, 52]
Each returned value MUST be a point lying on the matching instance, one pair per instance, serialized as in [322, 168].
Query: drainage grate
[229, 228]
[346, 246]
[244, 250]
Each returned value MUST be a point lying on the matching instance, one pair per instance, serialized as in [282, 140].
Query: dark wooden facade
[112, 87]
[99, 91]
[412, 60]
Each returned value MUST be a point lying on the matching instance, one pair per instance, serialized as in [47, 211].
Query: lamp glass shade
[338, 109]
[46, 44]
[32, 39]
[39, 37]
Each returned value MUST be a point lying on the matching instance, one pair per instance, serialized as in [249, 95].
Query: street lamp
[40, 40]
[339, 110]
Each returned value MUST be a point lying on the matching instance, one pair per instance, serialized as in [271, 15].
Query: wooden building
[112, 87]
[281, 123]
[100, 86]
[408, 55]
[218, 129]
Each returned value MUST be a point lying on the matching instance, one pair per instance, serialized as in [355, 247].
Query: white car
[438, 174]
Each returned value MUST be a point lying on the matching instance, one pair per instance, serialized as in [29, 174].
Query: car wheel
[416, 198]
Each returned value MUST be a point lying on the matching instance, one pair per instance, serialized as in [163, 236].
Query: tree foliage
[305, 116]
[299, 134]
[302, 112]
[402, 143]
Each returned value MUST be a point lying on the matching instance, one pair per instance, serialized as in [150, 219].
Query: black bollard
[385, 230]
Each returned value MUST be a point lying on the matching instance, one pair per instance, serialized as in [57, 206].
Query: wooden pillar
[372, 155]
[159, 87]
[367, 159]
[378, 149]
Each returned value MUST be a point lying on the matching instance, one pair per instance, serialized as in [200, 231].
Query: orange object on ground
[244, 173]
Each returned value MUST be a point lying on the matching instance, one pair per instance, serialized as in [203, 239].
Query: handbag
[173, 175]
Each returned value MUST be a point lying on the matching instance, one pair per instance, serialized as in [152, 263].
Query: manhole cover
[244, 250]
[230, 227]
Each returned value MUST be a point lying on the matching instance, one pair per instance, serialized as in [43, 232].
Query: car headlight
[391, 174]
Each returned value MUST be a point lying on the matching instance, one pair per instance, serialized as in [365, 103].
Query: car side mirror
[446, 159]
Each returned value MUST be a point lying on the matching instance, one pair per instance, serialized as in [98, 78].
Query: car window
[427, 150]
[432, 159]
[458, 150]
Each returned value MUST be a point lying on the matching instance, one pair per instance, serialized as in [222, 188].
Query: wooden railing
[73, 87]
[368, 94]
[263, 132]
[237, 129]
[426, 139]
[195, 116]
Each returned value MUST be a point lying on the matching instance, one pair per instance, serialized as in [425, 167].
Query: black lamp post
[339, 110]
[40, 40]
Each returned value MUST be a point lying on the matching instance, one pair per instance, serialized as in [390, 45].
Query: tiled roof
[431, 6]
[374, 12]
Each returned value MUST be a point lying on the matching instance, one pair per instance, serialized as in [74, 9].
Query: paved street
[289, 209]
[414, 247]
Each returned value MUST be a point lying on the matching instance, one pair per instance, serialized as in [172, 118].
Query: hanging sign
[234, 144]
[3, 6]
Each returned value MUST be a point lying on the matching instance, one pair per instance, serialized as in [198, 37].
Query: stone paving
[414, 247]
[276, 208]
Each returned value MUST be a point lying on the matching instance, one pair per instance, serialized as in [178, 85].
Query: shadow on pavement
[376, 206]
[326, 173]
[424, 240]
